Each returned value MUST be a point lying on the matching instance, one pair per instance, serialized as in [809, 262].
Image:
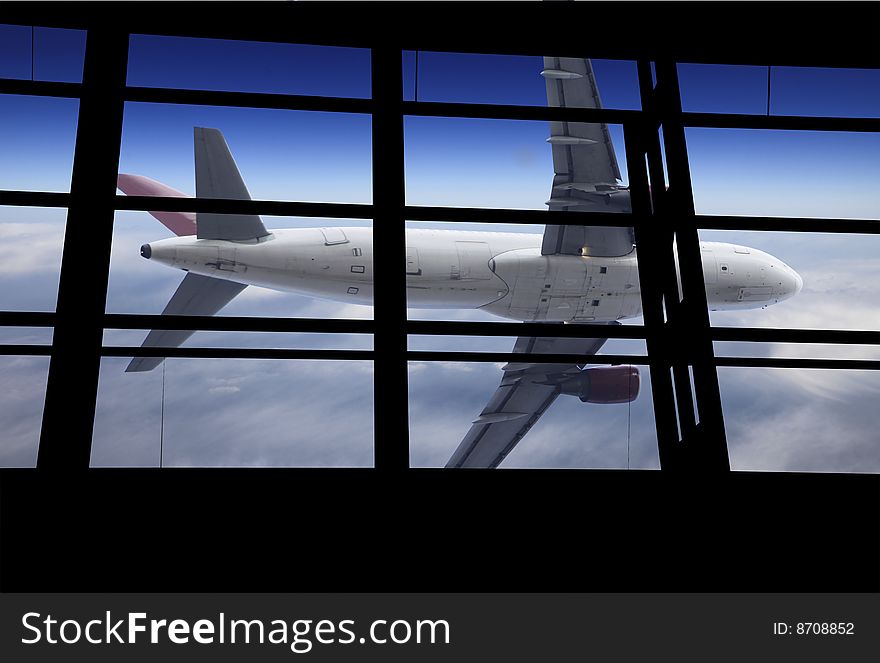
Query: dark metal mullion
[765, 335]
[390, 380]
[234, 353]
[447, 356]
[538, 329]
[237, 324]
[788, 224]
[794, 362]
[71, 392]
[26, 319]
[229, 206]
[34, 198]
[40, 88]
[526, 357]
[780, 122]
[665, 253]
[363, 211]
[511, 112]
[346, 355]
[646, 238]
[709, 449]
[26, 350]
[248, 100]
[521, 216]
[341, 326]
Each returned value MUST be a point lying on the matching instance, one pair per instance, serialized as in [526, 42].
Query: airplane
[570, 274]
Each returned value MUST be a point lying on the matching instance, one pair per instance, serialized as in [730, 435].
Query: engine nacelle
[605, 384]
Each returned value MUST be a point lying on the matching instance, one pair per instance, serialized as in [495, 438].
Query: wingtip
[143, 364]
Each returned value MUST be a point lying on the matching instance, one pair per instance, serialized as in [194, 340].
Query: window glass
[281, 155]
[31, 240]
[801, 420]
[26, 335]
[446, 397]
[436, 343]
[816, 91]
[248, 66]
[506, 79]
[723, 88]
[44, 54]
[754, 172]
[37, 138]
[798, 280]
[23, 382]
[235, 413]
[461, 162]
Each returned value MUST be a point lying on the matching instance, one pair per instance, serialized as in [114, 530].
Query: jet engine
[604, 384]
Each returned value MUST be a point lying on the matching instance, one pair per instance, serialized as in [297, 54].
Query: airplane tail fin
[217, 176]
[180, 223]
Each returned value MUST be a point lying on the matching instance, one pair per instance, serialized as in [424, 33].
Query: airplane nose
[799, 282]
[791, 282]
[146, 251]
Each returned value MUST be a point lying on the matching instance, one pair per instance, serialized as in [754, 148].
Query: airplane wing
[586, 178]
[586, 172]
[196, 295]
[525, 392]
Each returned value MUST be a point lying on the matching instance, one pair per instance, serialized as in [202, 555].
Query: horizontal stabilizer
[196, 295]
[180, 223]
[217, 176]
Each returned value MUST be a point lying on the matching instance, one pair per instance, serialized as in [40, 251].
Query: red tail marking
[180, 223]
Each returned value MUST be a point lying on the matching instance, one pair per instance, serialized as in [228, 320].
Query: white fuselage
[501, 273]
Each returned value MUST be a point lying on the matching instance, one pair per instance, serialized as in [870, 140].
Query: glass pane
[832, 92]
[304, 271]
[43, 54]
[823, 91]
[506, 79]
[801, 420]
[60, 54]
[37, 138]
[235, 413]
[227, 339]
[432, 343]
[248, 66]
[15, 51]
[795, 350]
[723, 88]
[23, 382]
[31, 240]
[757, 172]
[799, 280]
[281, 155]
[462, 162]
[26, 335]
[445, 398]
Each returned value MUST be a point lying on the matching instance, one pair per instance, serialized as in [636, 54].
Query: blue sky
[820, 420]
